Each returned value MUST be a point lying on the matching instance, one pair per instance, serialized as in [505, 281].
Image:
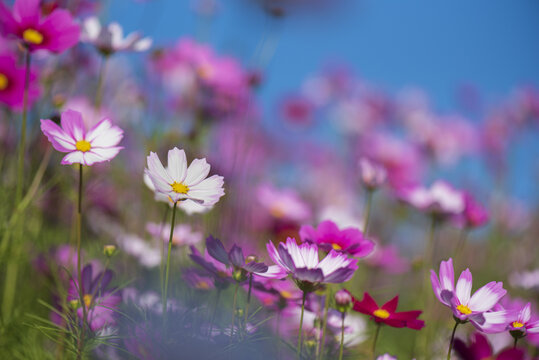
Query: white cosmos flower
[110, 39]
[181, 183]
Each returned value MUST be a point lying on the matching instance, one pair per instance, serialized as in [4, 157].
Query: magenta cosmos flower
[522, 323]
[387, 313]
[301, 261]
[182, 183]
[327, 236]
[96, 145]
[55, 32]
[372, 174]
[12, 80]
[478, 348]
[475, 308]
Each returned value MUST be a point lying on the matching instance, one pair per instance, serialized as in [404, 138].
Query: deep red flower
[387, 313]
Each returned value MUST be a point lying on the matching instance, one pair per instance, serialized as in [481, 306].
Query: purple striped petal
[486, 297]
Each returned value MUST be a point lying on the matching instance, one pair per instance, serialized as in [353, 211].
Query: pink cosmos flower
[388, 259]
[475, 308]
[283, 204]
[182, 183]
[110, 39]
[55, 32]
[327, 236]
[183, 234]
[478, 348]
[474, 214]
[372, 174]
[12, 79]
[523, 323]
[440, 199]
[96, 145]
[297, 110]
[301, 261]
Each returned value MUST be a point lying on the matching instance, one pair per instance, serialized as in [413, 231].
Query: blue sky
[433, 45]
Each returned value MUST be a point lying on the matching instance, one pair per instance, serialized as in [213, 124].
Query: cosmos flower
[242, 266]
[387, 314]
[198, 280]
[181, 183]
[147, 255]
[303, 264]
[478, 348]
[12, 79]
[474, 308]
[388, 259]
[328, 236]
[110, 39]
[55, 32]
[100, 300]
[189, 207]
[474, 214]
[386, 357]
[523, 323]
[372, 174]
[440, 199]
[183, 234]
[283, 204]
[96, 145]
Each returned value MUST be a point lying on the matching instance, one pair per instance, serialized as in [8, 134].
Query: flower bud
[110, 250]
[343, 301]
[239, 275]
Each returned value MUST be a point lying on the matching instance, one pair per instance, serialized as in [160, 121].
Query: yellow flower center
[202, 285]
[179, 188]
[517, 324]
[205, 71]
[87, 300]
[32, 36]
[83, 145]
[286, 294]
[463, 309]
[336, 246]
[4, 82]
[381, 313]
[277, 211]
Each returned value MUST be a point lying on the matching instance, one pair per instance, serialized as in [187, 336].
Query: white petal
[196, 172]
[177, 164]
[103, 134]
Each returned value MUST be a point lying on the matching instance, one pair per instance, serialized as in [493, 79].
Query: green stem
[342, 338]
[300, 333]
[79, 271]
[12, 269]
[248, 299]
[375, 340]
[234, 309]
[451, 341]
[325, 321]
[214, 311]
[368, 206]
[515, 343]
[162, 246]
[461, 245]
[101, 76]
[165, 292]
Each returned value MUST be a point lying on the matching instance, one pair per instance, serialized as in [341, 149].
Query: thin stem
[248, 299]
[325, 321]
[451, 341]
[461, 245]
[515, 343]
[79, 271]
[165, 292]
[368, 205]
[342, 338]
[101, 76]
[234, 309]
[162, 265]
[12, 266]
[214, 310]
[300, 333]
[375, 340]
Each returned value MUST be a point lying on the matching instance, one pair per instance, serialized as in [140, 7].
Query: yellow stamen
[4, 82]
[286, 294]
[336, 246]
[277, 211]
[205, 71]
[381, 313]
[202, 285]
[179, 188]
[83, 145]
[32, 36]
[464, 310]
[87, 300]
[518, 324]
